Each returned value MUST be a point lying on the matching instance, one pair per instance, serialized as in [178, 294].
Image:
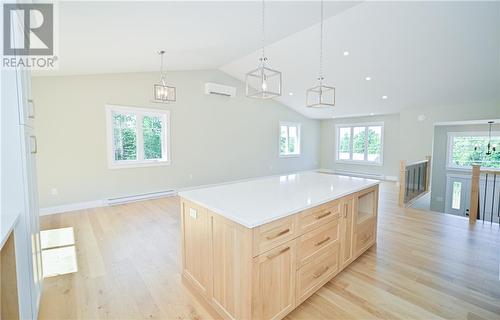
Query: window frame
[449, 146]
[140, 112]
[366, 125]
[289, 124]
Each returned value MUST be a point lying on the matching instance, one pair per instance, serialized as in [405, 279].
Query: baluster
[498, 209]
[493, 197]
[419, 173]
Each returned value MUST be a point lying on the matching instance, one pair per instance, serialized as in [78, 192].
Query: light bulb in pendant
[264, 85]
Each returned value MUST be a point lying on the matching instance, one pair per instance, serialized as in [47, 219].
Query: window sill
[360, 162]
[115, 165]
[289, 155]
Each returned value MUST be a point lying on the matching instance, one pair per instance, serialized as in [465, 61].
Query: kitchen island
[256, 249]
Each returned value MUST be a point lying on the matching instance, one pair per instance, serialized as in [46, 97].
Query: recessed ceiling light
[372, 114]
[385, 97]
[333, 117]
[290, 93]
[368, 78]
[346, 53]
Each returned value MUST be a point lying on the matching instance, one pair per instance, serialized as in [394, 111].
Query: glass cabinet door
[366, 208]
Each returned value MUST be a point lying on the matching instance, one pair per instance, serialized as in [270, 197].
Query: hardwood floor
[425, 266]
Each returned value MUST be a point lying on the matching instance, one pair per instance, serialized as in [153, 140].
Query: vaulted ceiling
[415, 53]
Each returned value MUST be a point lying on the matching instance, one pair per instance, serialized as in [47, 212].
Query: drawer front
[315, 217]
[315, 274]
[365, 236]
[317, 241]
[270, 235]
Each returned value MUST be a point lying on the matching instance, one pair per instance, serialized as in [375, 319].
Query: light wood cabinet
[365, 219]
[274, 282]
[196, 247]
[346, 231]
[267, 271]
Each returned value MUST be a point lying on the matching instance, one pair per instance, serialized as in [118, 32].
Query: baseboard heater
[138, 197]
[356, 174]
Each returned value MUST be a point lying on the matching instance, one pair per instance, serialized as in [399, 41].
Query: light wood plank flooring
[425, 266]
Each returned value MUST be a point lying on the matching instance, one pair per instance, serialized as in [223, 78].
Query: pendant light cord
[162, 76]
[263, 32]
[320, 78]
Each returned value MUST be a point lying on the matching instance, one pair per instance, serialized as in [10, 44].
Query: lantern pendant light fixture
[162, 92]
[263, 82]
[320, 96]
[490, 149]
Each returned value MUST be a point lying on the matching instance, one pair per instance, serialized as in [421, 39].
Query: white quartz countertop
[255, 202]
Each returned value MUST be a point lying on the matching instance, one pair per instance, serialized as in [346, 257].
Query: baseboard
[139, 197]
[105, 202]
[72, 207]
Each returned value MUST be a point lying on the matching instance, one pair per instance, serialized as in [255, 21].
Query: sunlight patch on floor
[58, 252]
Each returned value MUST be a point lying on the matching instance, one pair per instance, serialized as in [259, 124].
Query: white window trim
[359, 162]
[299, 142]
[140, 162]
[449, 144]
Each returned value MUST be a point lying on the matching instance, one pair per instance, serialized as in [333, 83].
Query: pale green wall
[390, 167]
[439, 170]
[416, 136]
[214, 138]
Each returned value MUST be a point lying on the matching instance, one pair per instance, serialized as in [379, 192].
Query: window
[289, 139]
[360, 143]
[137, 136]
[456, 195]
[461, 153]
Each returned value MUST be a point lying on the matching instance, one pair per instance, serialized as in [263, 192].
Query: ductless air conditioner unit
[219, 89]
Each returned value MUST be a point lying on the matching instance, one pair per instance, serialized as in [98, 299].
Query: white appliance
[219, 89]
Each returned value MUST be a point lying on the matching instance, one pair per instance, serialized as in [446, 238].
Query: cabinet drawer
[270, 235]
[315, 274]
[317, 241]
[314, 217]
[365, 236]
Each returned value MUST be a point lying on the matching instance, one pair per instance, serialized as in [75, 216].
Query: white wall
[214, 138]
[390, 166]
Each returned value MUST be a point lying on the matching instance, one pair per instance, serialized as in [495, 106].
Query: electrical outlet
[54, 191]
[191, 176]
[193, 213]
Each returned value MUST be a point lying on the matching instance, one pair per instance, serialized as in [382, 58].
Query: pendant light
[263, 82]
[320, 96]
[162, 92]
[490, 149]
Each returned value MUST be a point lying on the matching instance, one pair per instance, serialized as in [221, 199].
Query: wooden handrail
[489, 171]
[419, 162]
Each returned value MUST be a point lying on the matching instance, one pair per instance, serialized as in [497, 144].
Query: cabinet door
[346, 232]
[274, 282]
[32, 213]
[196, 246]
[365, 217]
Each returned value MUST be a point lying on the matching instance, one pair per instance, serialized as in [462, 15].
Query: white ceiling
[417, 53]
[116, 36]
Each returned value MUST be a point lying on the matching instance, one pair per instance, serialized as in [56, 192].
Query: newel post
[428, 173]
[402, 183]
[474, 193]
